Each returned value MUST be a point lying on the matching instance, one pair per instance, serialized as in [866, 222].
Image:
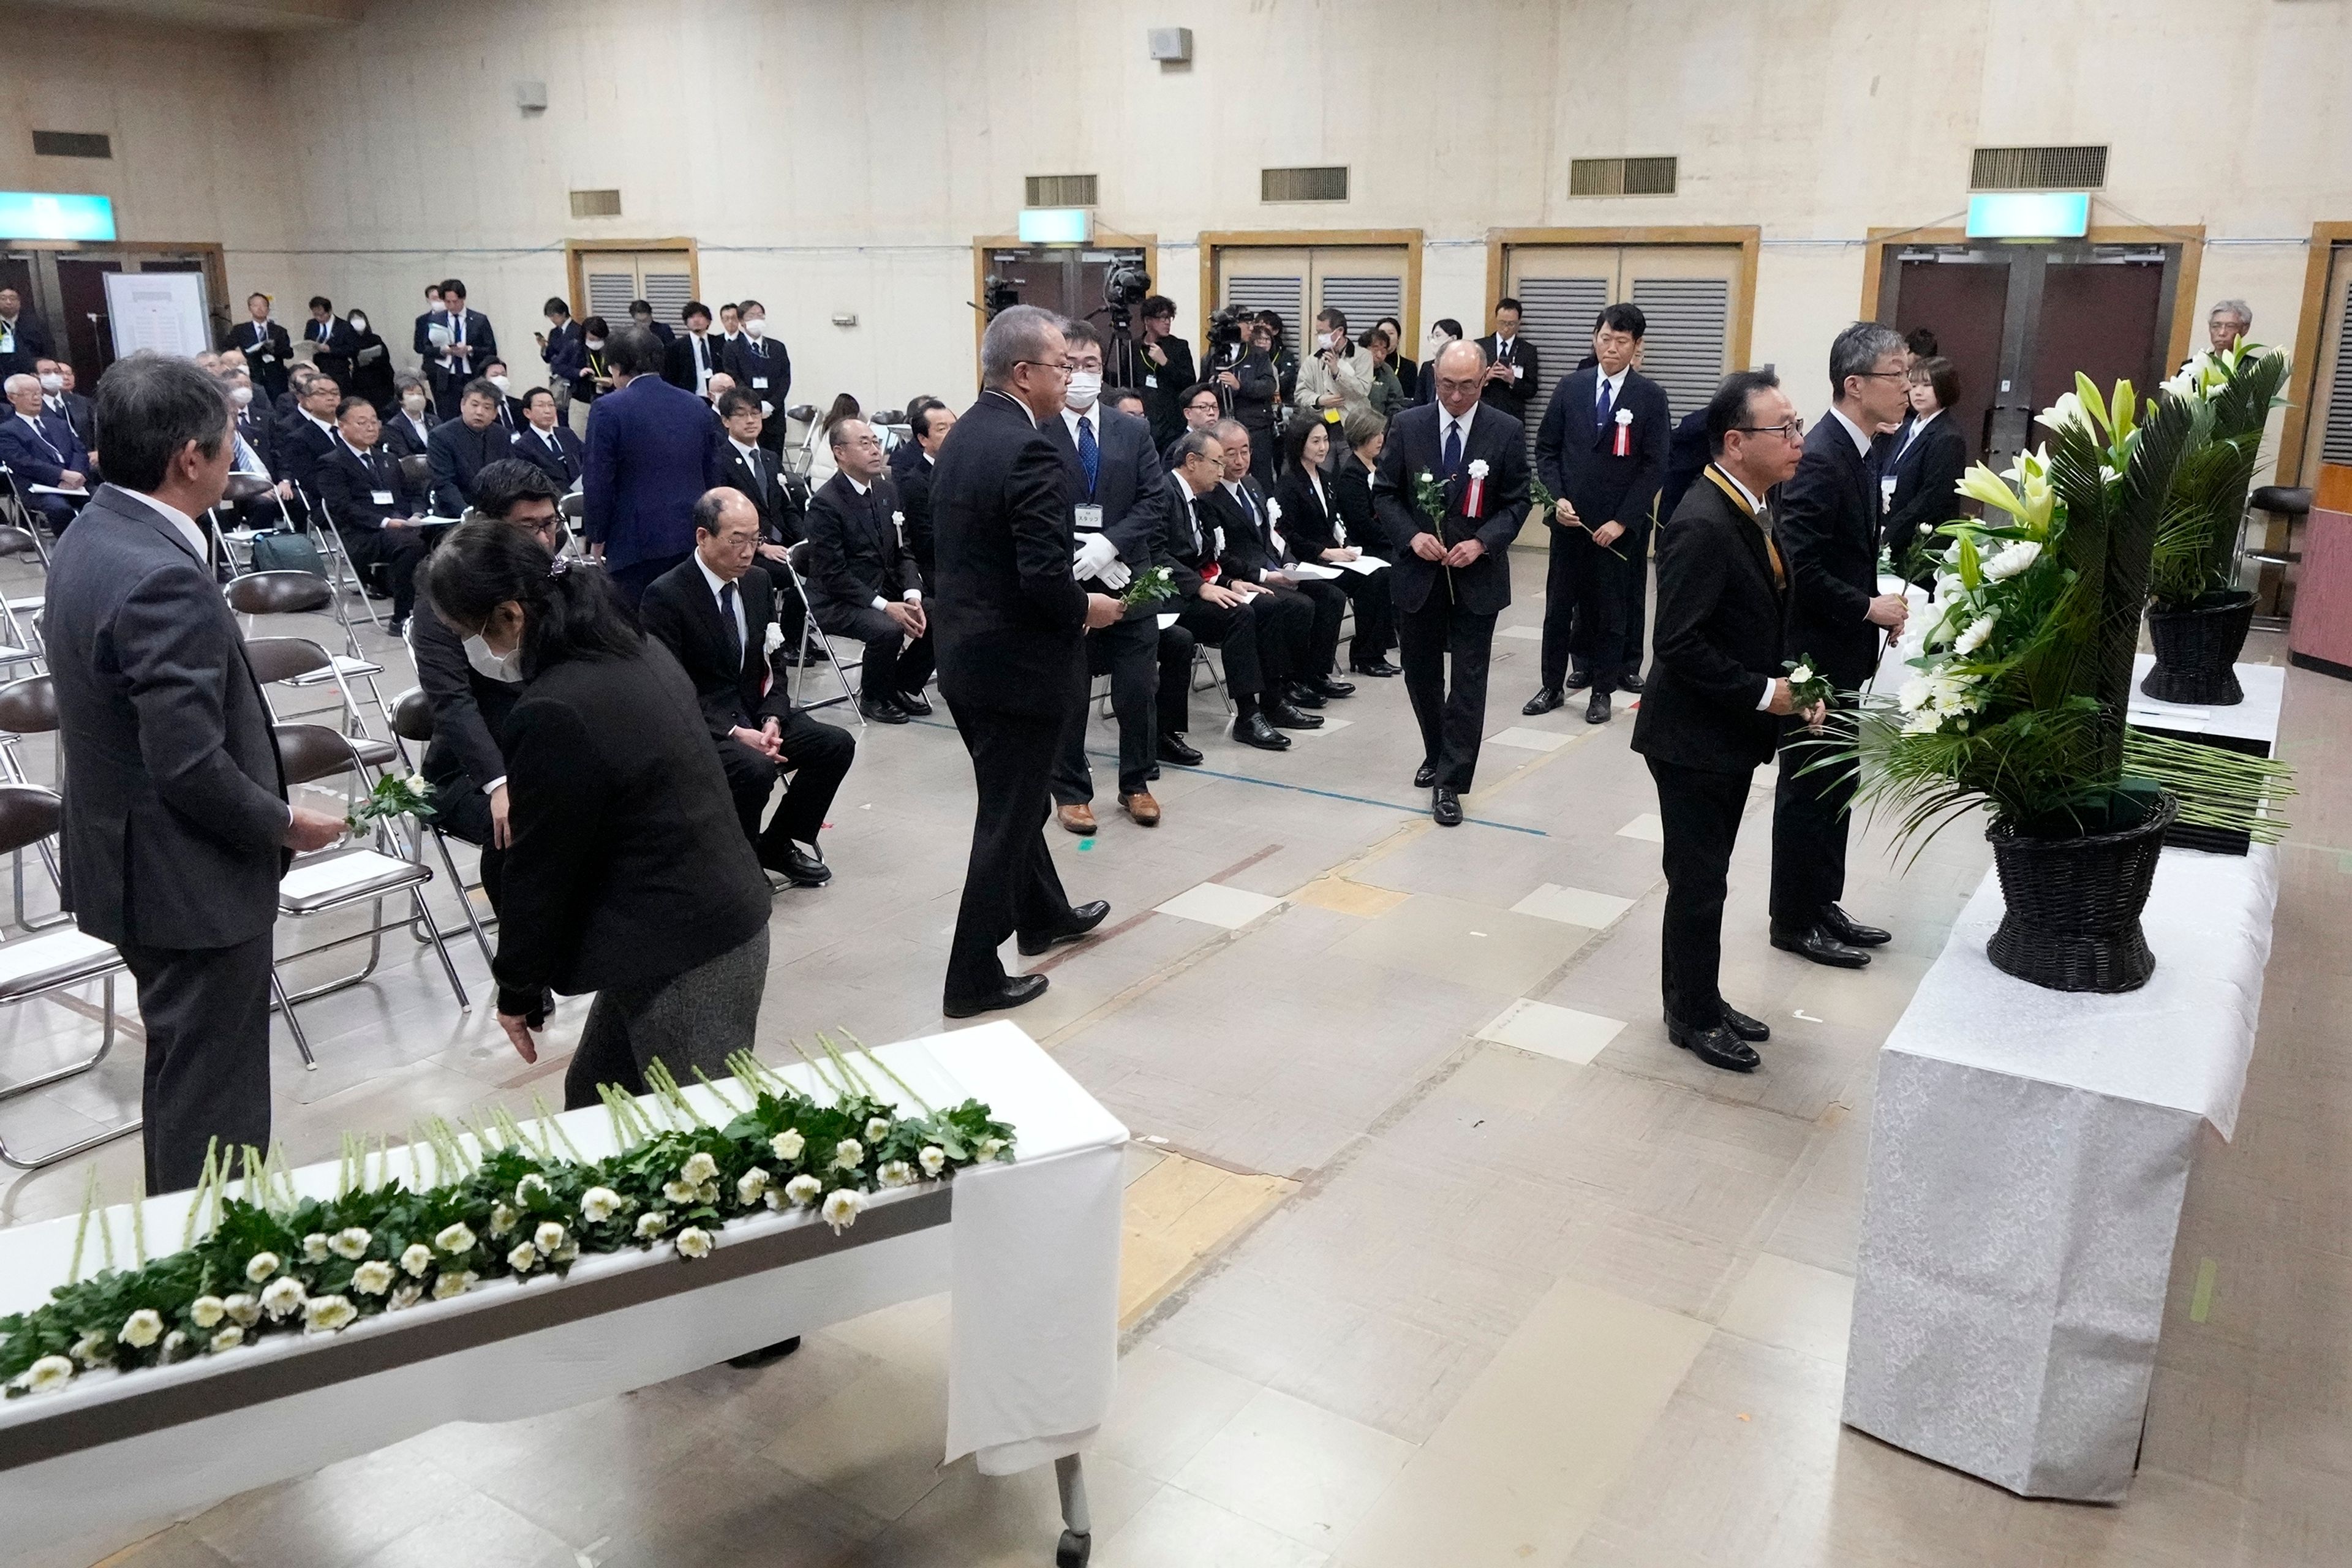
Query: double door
[1688, 294]
[65, 290]
[606, 280]
[1363, 282]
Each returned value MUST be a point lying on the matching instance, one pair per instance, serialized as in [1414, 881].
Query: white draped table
[1029, 1250]
[2028, 1154]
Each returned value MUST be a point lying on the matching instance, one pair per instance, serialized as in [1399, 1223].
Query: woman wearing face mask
[1256, 387]
[412, 417]
[596, 377]
[371, 376]
[628, 874]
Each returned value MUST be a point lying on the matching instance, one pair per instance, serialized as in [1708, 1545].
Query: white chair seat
[346, 665]
[339, 877]
[241, 535]
[32, 603]
[10, 653]
[43, 962]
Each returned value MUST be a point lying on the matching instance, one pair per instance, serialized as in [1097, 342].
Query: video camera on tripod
[1125, 287]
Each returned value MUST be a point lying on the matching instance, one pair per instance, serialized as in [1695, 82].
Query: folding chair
[28, 706]
[343, 572]
[300, 662]
[21, 516]
[20, 643]
[244, 487]
[412, 720]
[337, 878]
[258, 594]
[572, 508]
[812, 635]
[35, 966]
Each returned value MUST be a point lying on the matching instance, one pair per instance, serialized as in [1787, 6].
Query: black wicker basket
[2195, 649]
[2074, 904]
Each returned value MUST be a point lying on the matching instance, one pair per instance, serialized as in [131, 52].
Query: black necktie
[727, 618]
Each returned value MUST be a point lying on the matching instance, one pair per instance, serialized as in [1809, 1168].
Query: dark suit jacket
[566, 353]
[1163, 388]
[914, 501]
[750, 363]
[651, 451]
[1827, 522]
[336, 343]
[563, 466]
[1717, 638]
[677, 362]
[629, 865]
[855, 552]
[348, 482]
[39, 460]
[681, 611]
[780, 521]
[1686, 456]
[404, 438]
[1511, 396]
[658, 329]
[32, 340]
[174, 804]
[1307, 517]
[77, 412]
[457, 453]
[469, 709]
[1010, 625]
[269, 353]
[1129, 486]
[302, 445]
[261, 435]
[1252, 403]
[1576, 458]
[446, 380]
[1352, 492]
[1192, 540]
[1482, 587]
[1248, 551]
[1924, 473]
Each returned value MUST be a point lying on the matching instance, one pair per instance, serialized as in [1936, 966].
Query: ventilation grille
[1555, 315]
[2038, 169]
[72, 144]
[1690, 324]
[1285, 295]
[1621, 177]
[1363, 301]
[1324, 184]
[2336, 447]
[595, 204]
[1061, 190]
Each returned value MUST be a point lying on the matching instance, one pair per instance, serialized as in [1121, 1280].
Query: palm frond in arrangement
[2230, 396]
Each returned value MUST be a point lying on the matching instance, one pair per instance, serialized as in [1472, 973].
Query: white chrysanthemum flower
[283, 1296]
[46, 1375]
[1913, 696]
[787, 1145]
[454, 1238]
[350, 1244]
[934, 1159]
[679, 1192]
[407, 1296]
[848, 1154]
[228, 1338]
[532, 1187]
[1926, 722]
[2013, 558]
[877, 1128]
[1801, 674]
[503, 1219]
[141, 1328]
[174, 1343]
[652, 1224]
[699, 1168]
[598, 1204]
[1974, 637]
[841, 1206]
[261, 1265]
[90, 1349]
[373, 1277]
[896, 1174]
[522, 1257]
[548, 1238]
[694, 1242]
[243, 1309]
[314, 1248]
[751, 1187]
[450, 1285]
[327, 1314]
[803, 1190]
[206, 1311]
[416, 1259]
[990, 1148]
[707, 1194]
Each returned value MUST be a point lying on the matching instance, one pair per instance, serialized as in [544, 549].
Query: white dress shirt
[1916, 425]
[1447, 422]
[719, 586]
[1860, 441]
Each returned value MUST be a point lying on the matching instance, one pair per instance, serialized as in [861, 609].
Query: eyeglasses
[1794, 430]
[1063, 365]
[1884, 374]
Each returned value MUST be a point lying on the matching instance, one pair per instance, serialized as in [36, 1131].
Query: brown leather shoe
[1078, 818]
[1143, 807]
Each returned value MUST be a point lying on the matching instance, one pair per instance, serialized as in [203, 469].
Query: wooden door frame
[1214, 240]
[2294, 427]
[577, 251]
[1104, 239]
[1748, 238]
[2190, 237]
[211, 253]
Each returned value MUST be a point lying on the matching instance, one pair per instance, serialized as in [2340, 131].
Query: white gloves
[1094, 555]
[1115, 576]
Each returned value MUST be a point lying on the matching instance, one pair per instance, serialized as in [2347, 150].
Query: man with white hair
[42, 450]
[2228, 325]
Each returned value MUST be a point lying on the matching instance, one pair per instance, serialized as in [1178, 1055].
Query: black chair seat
[2287, 500]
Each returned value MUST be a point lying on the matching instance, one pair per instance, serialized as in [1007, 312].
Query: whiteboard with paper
[159, 311]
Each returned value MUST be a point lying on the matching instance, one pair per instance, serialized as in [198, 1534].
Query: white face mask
[359, 323]
[1336, 342]
[755, 326]
[500, 667]
[414, 402]
[500, 382]
[1086, 386]
[594, 342]
[240, 396]
[53, 383]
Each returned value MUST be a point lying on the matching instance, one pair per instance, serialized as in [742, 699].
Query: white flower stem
[717, 1093]
[865, 1089]
[81, 1230]
[923, 1104]
[139, 1218]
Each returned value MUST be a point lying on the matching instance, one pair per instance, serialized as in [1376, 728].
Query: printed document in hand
[1365, 565]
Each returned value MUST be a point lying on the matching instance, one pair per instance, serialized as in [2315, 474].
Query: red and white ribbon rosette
[1624, 438]
[1473, 505]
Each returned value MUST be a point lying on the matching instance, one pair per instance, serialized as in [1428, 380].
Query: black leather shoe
[1630, 682]
[1717, 1047]
[1597, 710]
[1016, 990]
[1173, 749]
[1284, 716]
[881, 711]
[1301, 695]
[798, 866]
[1380, 668]
[1818, 944]
[1083, 919]
[1446, 806]
[1843, 927]
[1543, 701]
[1752, 1030]
[765, 1354]
[1323, 686]
[1578, 680]
[1254, 731]
[1424, 775]
[914, 703]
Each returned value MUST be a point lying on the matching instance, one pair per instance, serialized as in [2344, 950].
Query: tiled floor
[1438, 1254]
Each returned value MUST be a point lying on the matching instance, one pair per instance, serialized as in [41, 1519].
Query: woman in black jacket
[370, 364]
[627, 872]
[1351, 494]
[1928, 460]
[1317, 531]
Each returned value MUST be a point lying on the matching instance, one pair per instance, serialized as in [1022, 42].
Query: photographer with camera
[1165, 360]
[1251, 387]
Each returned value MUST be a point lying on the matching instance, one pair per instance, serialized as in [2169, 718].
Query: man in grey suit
[177, 821]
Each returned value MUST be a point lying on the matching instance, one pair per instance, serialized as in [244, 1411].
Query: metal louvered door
[1362, 283]
[1685, 293]
[1559, 290]
[609, 279]
[1265, 280]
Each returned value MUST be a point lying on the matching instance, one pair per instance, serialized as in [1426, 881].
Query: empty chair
[796, 557]
[260, 594]
[300, 662]
[412, 721]
[28, 706]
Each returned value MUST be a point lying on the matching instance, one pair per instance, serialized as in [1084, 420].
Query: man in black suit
[269, 352]
[373, 506]
[22, 339]
[862, 583]
[455, 343]
[1116, 489]
[508, 412]
[1230, 618]
[1513, 371]
[1603, 454]
[546, 441]
[1450, 577]
[331, 339]
[462, 447]
[930, 420]
[472, 690]
[716, 612]
[1716, 696]
[176, 823]
[1012, 622]
[761, 367]
[1297, 631]
[689, 362]
[58, 396]
[641, 314]
[1167, 370]
[305, 438]
[1827, 523]
[758, 474]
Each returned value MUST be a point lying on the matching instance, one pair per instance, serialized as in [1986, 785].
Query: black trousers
[1584, 608]
[1453, 716]
[816, 758]
[1010, 885]
[1285, 635]
[632, 580]
[1375, 631]
[461, 810]
[1810, 819]
[399, 551]
[1136, 654]
[1701, 810]
[1330, 605]
[1234, 631]
[206, 1012]
[893, 662]
[1634, 577]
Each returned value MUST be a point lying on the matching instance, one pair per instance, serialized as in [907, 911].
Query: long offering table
[1029, 1248]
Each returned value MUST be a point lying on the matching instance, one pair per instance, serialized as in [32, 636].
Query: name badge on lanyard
[381, 498]
[1088, 518]
[759, 383]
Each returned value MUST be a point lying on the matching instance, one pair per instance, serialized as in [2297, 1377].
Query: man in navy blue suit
[547, 442]
[466, 346]
[40, 448]
[652, 450]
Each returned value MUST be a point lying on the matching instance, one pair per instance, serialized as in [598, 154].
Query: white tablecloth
[2256, 718]
[1031, 1254]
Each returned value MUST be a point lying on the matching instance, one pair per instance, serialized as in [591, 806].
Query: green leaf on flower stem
[1971, 565]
